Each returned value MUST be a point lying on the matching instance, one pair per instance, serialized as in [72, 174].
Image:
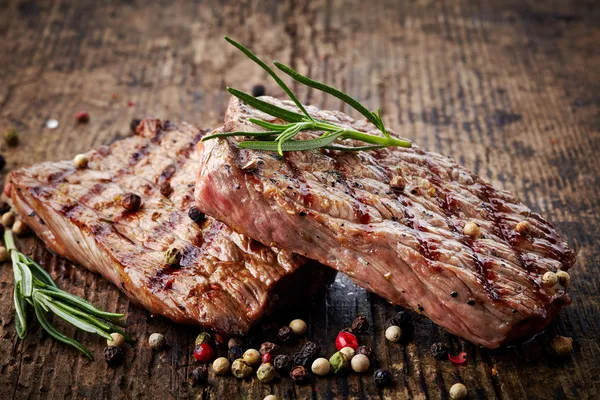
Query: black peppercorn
[439, 351]
[282, 363]
[134, 124]
[383, 377]
[4, 207]
[307, 354]
[198, 375]
[131, 202]
[258, 90]
[113, 355]
[299, 374]
[2, 162]
[196, 215]
[285, 334]
[268, 347]
[453, 294]
[166, 189]
[364, 350]
[360, 324]
[471, 302]
[234, 353]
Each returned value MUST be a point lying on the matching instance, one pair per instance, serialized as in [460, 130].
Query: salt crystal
[52, 124]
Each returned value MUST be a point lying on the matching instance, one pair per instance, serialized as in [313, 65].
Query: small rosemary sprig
[34, 288]
[280, 137]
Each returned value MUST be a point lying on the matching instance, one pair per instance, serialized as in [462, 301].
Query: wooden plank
[508, 88]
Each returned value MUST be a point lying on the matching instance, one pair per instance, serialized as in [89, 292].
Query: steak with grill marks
[223, 281]
[392, 219]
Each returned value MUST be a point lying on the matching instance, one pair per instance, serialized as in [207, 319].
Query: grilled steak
[393, 220]
[222, 280]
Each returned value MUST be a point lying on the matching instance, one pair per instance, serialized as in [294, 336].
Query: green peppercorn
[265, 373]
[11, 137]
[339, 362]
[173, 256]
[203, 337]
[240, 369]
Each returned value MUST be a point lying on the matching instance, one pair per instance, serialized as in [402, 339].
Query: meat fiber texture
[392, 219]
[224, 281]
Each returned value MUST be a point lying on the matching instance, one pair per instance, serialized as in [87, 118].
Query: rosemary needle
[34, 288]
[280, 137]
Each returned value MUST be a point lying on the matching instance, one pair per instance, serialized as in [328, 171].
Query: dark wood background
[511, 89]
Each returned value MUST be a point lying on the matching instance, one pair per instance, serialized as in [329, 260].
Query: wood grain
[507, 88]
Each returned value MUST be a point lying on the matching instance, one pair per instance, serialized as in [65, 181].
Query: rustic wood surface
[508, 88]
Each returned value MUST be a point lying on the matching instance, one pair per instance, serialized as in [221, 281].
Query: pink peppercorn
[82, 117]
[267, 358]
[346, 339]
[203, 353]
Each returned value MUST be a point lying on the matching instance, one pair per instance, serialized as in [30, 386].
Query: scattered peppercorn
[299, 374]
[523, 227]
[117, 340]
[282, 363]
[240, 369]
[439, 351]
[383, 377]
[8, 219]
[346, 339]
[251, 357]
[134, 124]
[471, 302]
[198, 375]
[458, 391]
[204, 353]
[307, 354]
[298, 327]
[156, 341]
[360, 363]
[235, 352]
[265, 373]
[562, 345]
[453, 294]
[113, 355]
[320, 366]
[339, 362]
[270, 397]
[266, 358]
[563, 278]
[82, 117]
[2, 162]
[549, 279]
[393, 334]
[80, 161]
[472, 229]
[360, 324]
[221, 366]
[258, 90]
[11, 137]
[131, 202]
[349, 352]
[166, 189]
[364, 350]
[4, 256]
[19, 228]
[235, 341]
[203, 337]
[268, 347]
[173, 256]
[196, 215]
[285, 334]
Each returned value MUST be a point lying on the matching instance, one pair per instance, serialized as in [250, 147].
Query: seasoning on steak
[392, 219]
[221, 279]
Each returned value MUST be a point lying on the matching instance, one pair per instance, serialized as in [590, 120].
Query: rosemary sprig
[34, 288]
[280, 137]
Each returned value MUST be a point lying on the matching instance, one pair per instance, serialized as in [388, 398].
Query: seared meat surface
[393, 220]
[223, 280]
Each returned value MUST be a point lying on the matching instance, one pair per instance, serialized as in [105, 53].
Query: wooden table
[509, 89]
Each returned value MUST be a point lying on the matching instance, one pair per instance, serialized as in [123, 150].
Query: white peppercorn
[240, 369]
[251, 357]
[320, 366]
[265, 373]
[8, 219]
[298, 327]
[360, 363]
[562, 345]
[221, 366]
[472, 229]
[117, 340]
[549, 279]
[270, 397]
[349, 352]
[458, 391]
[393, 334]
[563, 278]
[156, 341]
[80, 161]
[20, 228]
